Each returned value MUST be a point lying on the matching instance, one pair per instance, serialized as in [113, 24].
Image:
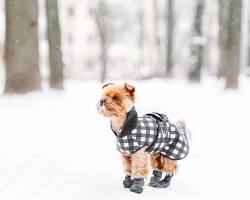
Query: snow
[198, 40]
[54, 145]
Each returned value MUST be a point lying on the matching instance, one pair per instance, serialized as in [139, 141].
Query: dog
[150, 140]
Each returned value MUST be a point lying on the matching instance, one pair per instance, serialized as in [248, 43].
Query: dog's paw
[137, 185]
[160, 184]
[154, 184]
[136, 188]
[155, 179]
[127, 182]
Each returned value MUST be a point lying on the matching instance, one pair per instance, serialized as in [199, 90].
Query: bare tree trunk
[248, 55]
[99, 15]
[170, 37]
[54, 39]
[104, 60]
[234, 28]
[157, 37]
[140, 16]
[21, 47]
[197, 44]
[224, 7]
[230, 45]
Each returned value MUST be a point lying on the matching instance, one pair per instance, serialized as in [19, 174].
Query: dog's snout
[102, 102]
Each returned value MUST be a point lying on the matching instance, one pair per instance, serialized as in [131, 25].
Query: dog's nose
[102, 102]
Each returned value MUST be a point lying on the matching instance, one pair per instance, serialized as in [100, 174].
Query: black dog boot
[127, 182]
[137, 185]
[155, 179]
[166, 181]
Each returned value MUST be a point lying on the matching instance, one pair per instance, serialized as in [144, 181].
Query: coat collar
[129, 124]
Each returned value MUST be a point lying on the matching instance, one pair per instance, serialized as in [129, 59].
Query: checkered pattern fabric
[158, 134]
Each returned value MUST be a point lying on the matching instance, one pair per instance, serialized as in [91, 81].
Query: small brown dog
[140, 139]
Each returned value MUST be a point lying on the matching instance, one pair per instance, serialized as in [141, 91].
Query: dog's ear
[129, 88]
[107, 84]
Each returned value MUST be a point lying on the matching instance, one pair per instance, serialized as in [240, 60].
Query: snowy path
[56, 146]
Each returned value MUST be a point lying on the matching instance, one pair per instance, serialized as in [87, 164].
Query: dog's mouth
[101, 108]
[106, 110]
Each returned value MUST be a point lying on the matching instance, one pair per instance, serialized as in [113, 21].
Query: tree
[248, 57]
[54, 40]
[157, 39]
[223, 35]
[197, 44]
[140, 41]
[170, 37]
[229, 40]
[21, 47]
[99, 15]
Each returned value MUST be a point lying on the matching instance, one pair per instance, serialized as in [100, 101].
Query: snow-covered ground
[54, 145]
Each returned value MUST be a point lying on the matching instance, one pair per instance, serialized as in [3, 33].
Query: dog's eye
[115, 98]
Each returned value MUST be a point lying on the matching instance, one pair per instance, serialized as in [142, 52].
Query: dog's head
[116, 100]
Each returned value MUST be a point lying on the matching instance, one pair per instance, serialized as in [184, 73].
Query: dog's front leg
[127, 165]
[140, 169]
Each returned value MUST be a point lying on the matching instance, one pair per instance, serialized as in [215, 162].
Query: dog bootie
[127, 182]
[137, 185]
[155, 179]
[166, 181]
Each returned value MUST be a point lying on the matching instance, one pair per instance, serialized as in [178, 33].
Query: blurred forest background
[49, 41]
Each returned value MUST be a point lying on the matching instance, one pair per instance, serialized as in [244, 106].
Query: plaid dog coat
[154, 131]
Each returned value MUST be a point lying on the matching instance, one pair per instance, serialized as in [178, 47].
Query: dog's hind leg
[169, 167]
[155, 161]
[159, 164]
[156, 165]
